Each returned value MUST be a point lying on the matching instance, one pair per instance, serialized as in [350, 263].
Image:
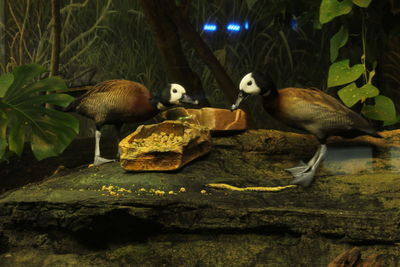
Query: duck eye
[249, 83]
[174, 91]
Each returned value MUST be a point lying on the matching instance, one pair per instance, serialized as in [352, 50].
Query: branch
[103, 15]
[203, 51]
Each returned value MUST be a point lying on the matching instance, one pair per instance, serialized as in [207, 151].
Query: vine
[342, 74]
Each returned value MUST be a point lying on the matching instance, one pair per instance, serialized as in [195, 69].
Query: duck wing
[319, 113]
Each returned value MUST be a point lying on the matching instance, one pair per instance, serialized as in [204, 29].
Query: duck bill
[187, 99]
[239, 99]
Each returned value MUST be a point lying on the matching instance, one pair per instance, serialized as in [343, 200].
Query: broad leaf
[351, 94]
[5, 82]
[338, 41]
[16, 137]
[331, 9]
[362, 3]
[47, 85]
[60, 118]
[23, 117]
[383, 110]
[62, 100]
[3, 131]
[22, 75]
[341, 73]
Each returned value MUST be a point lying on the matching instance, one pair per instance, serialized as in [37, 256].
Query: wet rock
[165, 146]
[214, 119]
[105, 216]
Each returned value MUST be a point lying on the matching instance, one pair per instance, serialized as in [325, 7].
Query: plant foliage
[23, 117]
[340, 73]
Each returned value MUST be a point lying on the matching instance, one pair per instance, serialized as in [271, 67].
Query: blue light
[246, 25]
[233, 27]
[210, 27]
[294, 23]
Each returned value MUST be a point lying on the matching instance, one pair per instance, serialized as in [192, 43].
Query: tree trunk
[3, 57]
[203, 51]
[56, 30]
[56, 33]
[168, 42]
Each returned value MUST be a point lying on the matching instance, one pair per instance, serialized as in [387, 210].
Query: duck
[116, 102]
[310, 110]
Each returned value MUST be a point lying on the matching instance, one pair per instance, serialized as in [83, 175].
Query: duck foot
[304, 175]
[303, 178]
[99, 161]
[301, 167]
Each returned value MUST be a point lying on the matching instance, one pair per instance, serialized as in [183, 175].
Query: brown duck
[121, 101]
[307, 109]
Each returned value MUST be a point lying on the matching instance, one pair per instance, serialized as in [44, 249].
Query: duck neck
[159, 104]
[270, 100]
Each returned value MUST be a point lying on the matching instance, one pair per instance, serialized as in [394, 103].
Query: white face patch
[176, 92]
[248, 85]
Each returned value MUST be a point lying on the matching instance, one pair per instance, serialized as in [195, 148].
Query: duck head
[254, 83]
[175, 95]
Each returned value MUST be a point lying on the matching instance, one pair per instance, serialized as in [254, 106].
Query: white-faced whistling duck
[121, 101]
[307, 109]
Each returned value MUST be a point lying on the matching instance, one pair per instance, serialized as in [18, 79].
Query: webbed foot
[304, 178]
[99, 161]
[301, 167]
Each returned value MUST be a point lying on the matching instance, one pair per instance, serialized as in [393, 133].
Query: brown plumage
[306, 109]
[121, 101]
[116, 101]
[315, 112]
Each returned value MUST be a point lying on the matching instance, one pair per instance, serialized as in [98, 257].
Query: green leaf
[62, 100]
[5, 82]
[383, 110]
[59, 118]
[338, 41]
[351, 94]
[22, 75]
[362, 3]
[54, 141]
[341, 73]
[46, 85]
[43, 146]
[3, 133]
[16, 136]
[331, 9]
[23, 117]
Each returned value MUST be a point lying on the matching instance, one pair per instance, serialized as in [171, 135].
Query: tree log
[203, 51]
[168, 42]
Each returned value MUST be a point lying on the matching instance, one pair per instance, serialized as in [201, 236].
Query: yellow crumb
[265, 189]
[203, 191]
[159, 193]
[142, 190]
[171, 192]
[182, 190]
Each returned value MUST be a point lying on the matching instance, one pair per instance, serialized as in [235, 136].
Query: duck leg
[302, 167]
[97, 159]
[305, 177]
[119, 138]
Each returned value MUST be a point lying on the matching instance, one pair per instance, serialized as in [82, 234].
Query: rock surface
[104, 216]
[214, 119]
[164, 146]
